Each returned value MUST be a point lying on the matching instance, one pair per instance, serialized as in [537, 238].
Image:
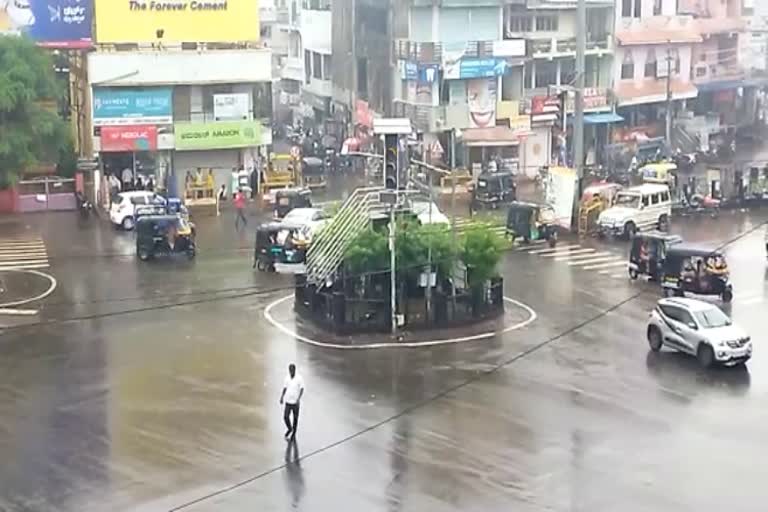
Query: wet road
[163, 395]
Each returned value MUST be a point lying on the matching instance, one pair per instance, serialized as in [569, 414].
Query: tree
[30, 129]
[368, 252]
[480, 252]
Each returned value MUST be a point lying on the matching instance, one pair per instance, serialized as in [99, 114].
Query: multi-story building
[754, 46]
[280, 32]
[653, 59]
[179, 99]
[316, 29]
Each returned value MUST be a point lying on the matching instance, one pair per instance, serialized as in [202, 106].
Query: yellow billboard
[174, 21]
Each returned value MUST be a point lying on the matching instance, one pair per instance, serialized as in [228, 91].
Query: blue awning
[608, 117]
[720, 85]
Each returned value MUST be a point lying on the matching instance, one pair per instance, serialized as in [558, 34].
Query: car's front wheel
[705, 355]
[128, 223]
[654, 338]
[633, 275]
[727, 295]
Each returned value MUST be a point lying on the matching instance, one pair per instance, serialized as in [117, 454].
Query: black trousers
[291, 409]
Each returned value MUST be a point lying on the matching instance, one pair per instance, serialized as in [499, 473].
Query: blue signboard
[475, 68]
[52, 23]
[125, 106]
[482, 68]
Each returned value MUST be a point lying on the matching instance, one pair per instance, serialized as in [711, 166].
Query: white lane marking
[25, 253]
[6, 263]
[18, 312]
[583, 256]
[530, 245]
[605, 265]
[554, 249]
[416, 344]
[4, 267]
[562, 254]
[46, 293]
[619, 276]
[601, 259]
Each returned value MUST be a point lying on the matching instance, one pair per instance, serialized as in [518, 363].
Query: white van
[641, 208]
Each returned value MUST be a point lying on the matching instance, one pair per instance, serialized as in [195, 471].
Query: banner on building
[474, 68]
[230, 107]
[126, 106]
[156, 21]
[217, 135]
[51, 23]
[128, 138]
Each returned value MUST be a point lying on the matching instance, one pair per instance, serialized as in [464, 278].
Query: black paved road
[173, 405]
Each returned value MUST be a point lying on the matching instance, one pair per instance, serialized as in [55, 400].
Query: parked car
[642, 208]
[122, 213]
[700, 329]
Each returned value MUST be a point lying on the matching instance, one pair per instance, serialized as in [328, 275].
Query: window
[546, 73]
[307, 66]
[656, 7]
[317, 66]
[646, 200]
[520, 23]
[672, 313]
[209, 91]
[638, 9]
[628, 67]
[655, 199]
[650, 64]
[665, 197]
[138, 200]
[626, 8]
[546, 23]
[676, 56]
[326, 67]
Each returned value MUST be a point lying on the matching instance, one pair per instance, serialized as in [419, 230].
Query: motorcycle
[84, 206]
[698, 204]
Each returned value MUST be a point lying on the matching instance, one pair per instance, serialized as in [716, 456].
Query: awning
[608, 117]
[719, 85]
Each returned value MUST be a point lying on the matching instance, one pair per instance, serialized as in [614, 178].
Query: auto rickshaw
[698, 270]
[289, 198]
[278, 242]
[164, 235]
[649, 250]
[595, 199]
[313, 172]
[659, 172]
[531, 222]
[493, 190]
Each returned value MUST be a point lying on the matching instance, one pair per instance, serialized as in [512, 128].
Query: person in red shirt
[240, 209]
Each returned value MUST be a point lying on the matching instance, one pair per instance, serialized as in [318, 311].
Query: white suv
[122, 213]
[700, 329]
[641, 208]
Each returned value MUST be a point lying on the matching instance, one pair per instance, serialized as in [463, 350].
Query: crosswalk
[23, 252]
[463, 224]
[602, 261]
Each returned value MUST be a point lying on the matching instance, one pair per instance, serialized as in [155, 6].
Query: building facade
[182, 101]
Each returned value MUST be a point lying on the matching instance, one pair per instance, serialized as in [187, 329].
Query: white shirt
[293, 386]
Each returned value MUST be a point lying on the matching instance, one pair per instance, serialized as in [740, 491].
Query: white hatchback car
[700, 329]
[122, 213]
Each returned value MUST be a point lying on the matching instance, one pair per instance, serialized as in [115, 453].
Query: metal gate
[46, 193]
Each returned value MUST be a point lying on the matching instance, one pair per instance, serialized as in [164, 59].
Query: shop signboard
[50, 23]
[128, 138]
[217, 135]
[125, 106]
[230, 107]
[157, 21]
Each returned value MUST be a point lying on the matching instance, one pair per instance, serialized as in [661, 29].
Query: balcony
[291, 68]
[544, 48]
[432, 53]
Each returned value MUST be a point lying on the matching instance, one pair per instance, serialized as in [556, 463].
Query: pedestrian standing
[240, 209]
[293, 391]
[127, 176]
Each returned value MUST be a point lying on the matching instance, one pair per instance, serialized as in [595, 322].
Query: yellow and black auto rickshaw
[164, 235]
[697, 270]
[531, 222]
[648, 252]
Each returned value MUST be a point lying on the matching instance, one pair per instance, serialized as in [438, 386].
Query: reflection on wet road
[176, 407]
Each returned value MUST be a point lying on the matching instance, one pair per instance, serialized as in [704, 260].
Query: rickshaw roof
[520, 205]
[145, 219]
[683, 250]
[659, 235]
[312, 160]
[292, 192]
[661, 166]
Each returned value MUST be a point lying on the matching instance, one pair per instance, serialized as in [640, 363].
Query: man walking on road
[293, 390]
[240, 208]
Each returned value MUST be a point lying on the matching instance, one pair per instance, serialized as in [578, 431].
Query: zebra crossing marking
[579, 257]
[562, 254]
[605, 265]
[554, 249]
[23, 253]
[602, 259]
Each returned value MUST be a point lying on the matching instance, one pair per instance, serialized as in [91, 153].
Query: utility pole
[578, 119]
[668, 118]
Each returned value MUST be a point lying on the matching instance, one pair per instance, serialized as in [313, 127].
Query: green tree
[480, 252]
[368, 252]
[30, 129]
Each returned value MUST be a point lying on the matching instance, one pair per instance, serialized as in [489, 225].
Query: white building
[315, 29]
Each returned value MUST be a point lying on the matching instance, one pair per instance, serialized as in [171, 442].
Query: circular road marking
[411, 344]
[52, 286]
